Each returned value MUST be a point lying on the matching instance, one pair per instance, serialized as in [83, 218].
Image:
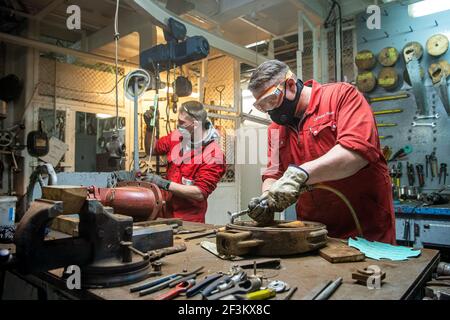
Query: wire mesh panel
[219, 85]
[307, 57]
[84, 81]
[331, 56]
[227, 142]
[347, 56]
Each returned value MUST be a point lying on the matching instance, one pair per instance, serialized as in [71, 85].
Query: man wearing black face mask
[195, 162]
[321, 134]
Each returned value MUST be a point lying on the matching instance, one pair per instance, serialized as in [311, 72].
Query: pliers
[175, 292]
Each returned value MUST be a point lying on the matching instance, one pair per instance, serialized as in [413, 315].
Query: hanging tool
[220, 89]
[389, 111]
[433, 116]
[419, 169]
[443, 172]
[412, 53]
[427, 164]
[393, 173]
[433, 165]
[390, 97]
[428, 124]
[383, 125]
[402, 152]
[387, 152]
[399, 173]
[410, 173]
[179, 288]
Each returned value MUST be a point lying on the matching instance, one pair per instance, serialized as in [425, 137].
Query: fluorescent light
[103, 116]
[427, 7]
[254, 44]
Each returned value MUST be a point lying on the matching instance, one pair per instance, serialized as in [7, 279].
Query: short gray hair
[267, 73]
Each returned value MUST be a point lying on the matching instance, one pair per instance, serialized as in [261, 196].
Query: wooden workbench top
[305, 271]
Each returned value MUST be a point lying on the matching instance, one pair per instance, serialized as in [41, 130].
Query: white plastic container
[7, 210]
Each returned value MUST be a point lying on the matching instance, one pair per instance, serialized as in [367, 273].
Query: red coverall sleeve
[211, 171]
[162, 145]
[356, 126]
[275, 151]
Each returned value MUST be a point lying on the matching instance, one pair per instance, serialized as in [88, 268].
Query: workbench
[404, 279]
[422, 226]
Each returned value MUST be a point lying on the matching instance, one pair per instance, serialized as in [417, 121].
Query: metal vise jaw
[103, 249]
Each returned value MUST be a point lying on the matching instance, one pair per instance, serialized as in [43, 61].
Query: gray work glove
[282, 194]
[158, 180]
[148, 116]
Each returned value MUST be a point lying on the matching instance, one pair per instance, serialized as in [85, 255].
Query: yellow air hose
[344, 199]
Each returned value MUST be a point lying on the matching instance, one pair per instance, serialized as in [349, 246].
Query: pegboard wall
[397, 29]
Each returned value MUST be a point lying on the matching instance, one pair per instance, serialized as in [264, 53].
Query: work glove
[281, 195]
[148, 116]
[158, 180]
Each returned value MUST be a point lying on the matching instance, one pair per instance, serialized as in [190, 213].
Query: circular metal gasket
[278, 285]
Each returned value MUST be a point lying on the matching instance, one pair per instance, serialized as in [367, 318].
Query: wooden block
[72, 197]
[67, 224]
[337, 252]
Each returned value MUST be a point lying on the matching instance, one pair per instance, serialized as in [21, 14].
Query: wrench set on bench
[234, 285]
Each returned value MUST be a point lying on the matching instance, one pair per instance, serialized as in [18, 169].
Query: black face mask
[284, 115]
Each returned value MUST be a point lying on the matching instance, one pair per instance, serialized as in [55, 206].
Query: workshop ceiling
[240, 21]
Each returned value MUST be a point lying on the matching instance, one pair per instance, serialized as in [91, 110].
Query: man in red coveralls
[195, 161]
[322, 134]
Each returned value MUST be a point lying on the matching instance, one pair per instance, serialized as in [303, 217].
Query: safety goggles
[272, 97]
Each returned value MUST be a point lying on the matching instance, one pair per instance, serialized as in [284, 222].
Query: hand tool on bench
[202, 284]
[243, 287]
[235, 279]
[164, 280]
[202, 235]
[224, 279]
[262, 294]
[175, 282]
[329, 290]
[179, 288]
[290, 293]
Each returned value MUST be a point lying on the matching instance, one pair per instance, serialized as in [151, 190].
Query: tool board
[397, 29]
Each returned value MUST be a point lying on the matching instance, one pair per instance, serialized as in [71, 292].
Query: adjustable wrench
[416, 124]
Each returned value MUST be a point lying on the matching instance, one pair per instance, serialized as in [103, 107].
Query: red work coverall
[203, 167]
[338, 113]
